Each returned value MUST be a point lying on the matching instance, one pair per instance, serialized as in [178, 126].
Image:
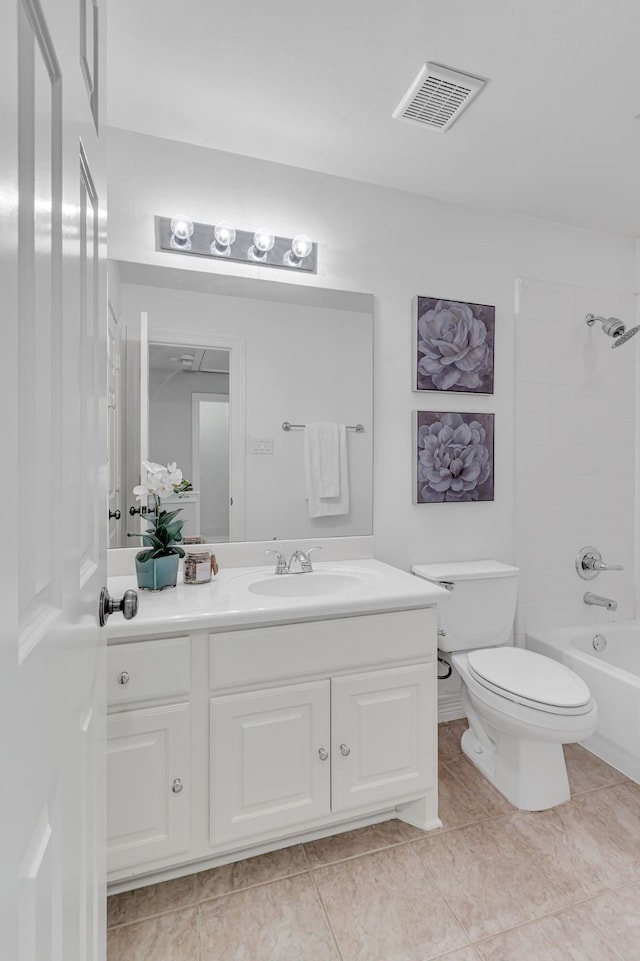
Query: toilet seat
[530, 679]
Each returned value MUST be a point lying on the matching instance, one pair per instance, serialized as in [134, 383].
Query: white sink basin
[313, 584]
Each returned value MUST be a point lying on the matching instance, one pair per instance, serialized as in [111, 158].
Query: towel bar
[359, 428]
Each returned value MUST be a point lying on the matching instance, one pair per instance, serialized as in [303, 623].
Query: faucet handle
[589, 563]
[306, 564]
[281, 561]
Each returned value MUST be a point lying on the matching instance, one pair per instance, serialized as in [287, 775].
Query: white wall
[395, 245]
[575, 453]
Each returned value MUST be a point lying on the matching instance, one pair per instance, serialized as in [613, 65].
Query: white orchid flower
[161, 481]
[141, 492]
[175, 474]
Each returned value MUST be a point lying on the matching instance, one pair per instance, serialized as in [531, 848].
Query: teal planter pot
[158, 573]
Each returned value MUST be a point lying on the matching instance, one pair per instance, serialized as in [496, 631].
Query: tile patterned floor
[493, 884]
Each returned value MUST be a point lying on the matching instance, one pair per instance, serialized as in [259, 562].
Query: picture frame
[453, 457]
[453, 345]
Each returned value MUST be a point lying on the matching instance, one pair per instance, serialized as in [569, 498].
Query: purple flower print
[455, 346]
[455, 457]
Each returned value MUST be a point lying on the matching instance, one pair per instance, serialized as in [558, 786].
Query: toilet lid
[529, 678]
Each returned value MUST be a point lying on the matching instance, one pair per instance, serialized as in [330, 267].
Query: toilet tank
[479, 608]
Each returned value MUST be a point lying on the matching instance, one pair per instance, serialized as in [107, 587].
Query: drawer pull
[177, 786]
[323, 754]
[123, 678]
[345, 750]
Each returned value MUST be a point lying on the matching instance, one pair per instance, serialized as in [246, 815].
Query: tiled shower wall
[574, 453]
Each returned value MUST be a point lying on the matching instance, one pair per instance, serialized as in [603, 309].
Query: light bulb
[263, 241]
[181, 232]
[224, 235]
[301, 247]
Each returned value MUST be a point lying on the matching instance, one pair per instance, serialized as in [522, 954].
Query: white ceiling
[313, 83]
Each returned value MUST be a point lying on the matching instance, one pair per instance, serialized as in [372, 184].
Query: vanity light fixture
[181, 232]
[224, 236]
[181, 235]
[301, 247]
[263, 241]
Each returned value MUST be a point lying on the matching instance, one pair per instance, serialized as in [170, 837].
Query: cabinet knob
[345, 750]
[323, 754]
[177, 786]
[123, 678]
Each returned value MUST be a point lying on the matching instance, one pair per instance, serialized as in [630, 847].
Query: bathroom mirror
[211, 367]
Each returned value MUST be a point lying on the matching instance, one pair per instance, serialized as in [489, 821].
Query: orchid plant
[164, 532]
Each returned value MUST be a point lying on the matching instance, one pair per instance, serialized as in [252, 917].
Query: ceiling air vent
[437, 97]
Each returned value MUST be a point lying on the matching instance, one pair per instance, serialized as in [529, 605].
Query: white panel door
[53, 561]
[148, 785]
[382, 746]
[270, 766]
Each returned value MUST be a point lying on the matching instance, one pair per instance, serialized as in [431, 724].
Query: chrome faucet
[597, 601]
[281, 562]
[299, 562]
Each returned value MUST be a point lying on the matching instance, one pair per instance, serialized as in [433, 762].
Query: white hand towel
[326, 470]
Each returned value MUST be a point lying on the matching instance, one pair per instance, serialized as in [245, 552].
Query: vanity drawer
[260, 655]
[144, 670]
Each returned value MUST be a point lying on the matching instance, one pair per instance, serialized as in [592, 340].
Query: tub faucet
[597, 601]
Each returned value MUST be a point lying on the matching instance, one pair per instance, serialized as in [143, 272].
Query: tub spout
[597, 601]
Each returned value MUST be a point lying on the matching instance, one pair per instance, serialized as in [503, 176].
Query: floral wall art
[454, 457]
[454, 345]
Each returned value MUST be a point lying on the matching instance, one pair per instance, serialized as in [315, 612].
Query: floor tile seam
[462, 924]
[204, 900]
[460, 781]
[441, 832]
[154, 916]
[542, 917]
[460, 827]
[327, 918]
[360, 854]
[601, 787]
[251, 887]
[458, 920]
[610, 890]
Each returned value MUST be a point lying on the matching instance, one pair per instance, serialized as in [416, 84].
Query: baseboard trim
[449, 707]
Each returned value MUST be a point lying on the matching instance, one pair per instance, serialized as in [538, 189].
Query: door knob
[115, 514]
[138, 510]
[108, 605]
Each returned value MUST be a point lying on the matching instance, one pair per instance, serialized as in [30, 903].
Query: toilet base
[531, 775]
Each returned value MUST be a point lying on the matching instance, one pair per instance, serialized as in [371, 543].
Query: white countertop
[227, 602]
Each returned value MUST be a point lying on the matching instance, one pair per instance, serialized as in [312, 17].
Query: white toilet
[521, 706]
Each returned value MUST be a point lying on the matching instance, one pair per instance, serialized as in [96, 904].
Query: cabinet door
[270, 767]
[383, 735]
[147, 785]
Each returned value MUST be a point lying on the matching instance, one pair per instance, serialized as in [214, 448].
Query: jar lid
[199, 555]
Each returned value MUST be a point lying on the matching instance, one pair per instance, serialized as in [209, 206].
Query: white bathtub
[613, 676]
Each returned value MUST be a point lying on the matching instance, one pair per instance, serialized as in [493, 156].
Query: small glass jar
[197, 567]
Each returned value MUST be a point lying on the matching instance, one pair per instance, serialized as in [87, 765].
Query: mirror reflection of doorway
[189, 423]
[210, 432]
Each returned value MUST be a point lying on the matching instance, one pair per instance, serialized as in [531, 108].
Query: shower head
[612, 327]
[623, 338]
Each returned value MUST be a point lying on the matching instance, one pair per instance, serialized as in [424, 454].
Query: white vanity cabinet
[289, 755]
[148, 751]
[245, 740]
[269, 761]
